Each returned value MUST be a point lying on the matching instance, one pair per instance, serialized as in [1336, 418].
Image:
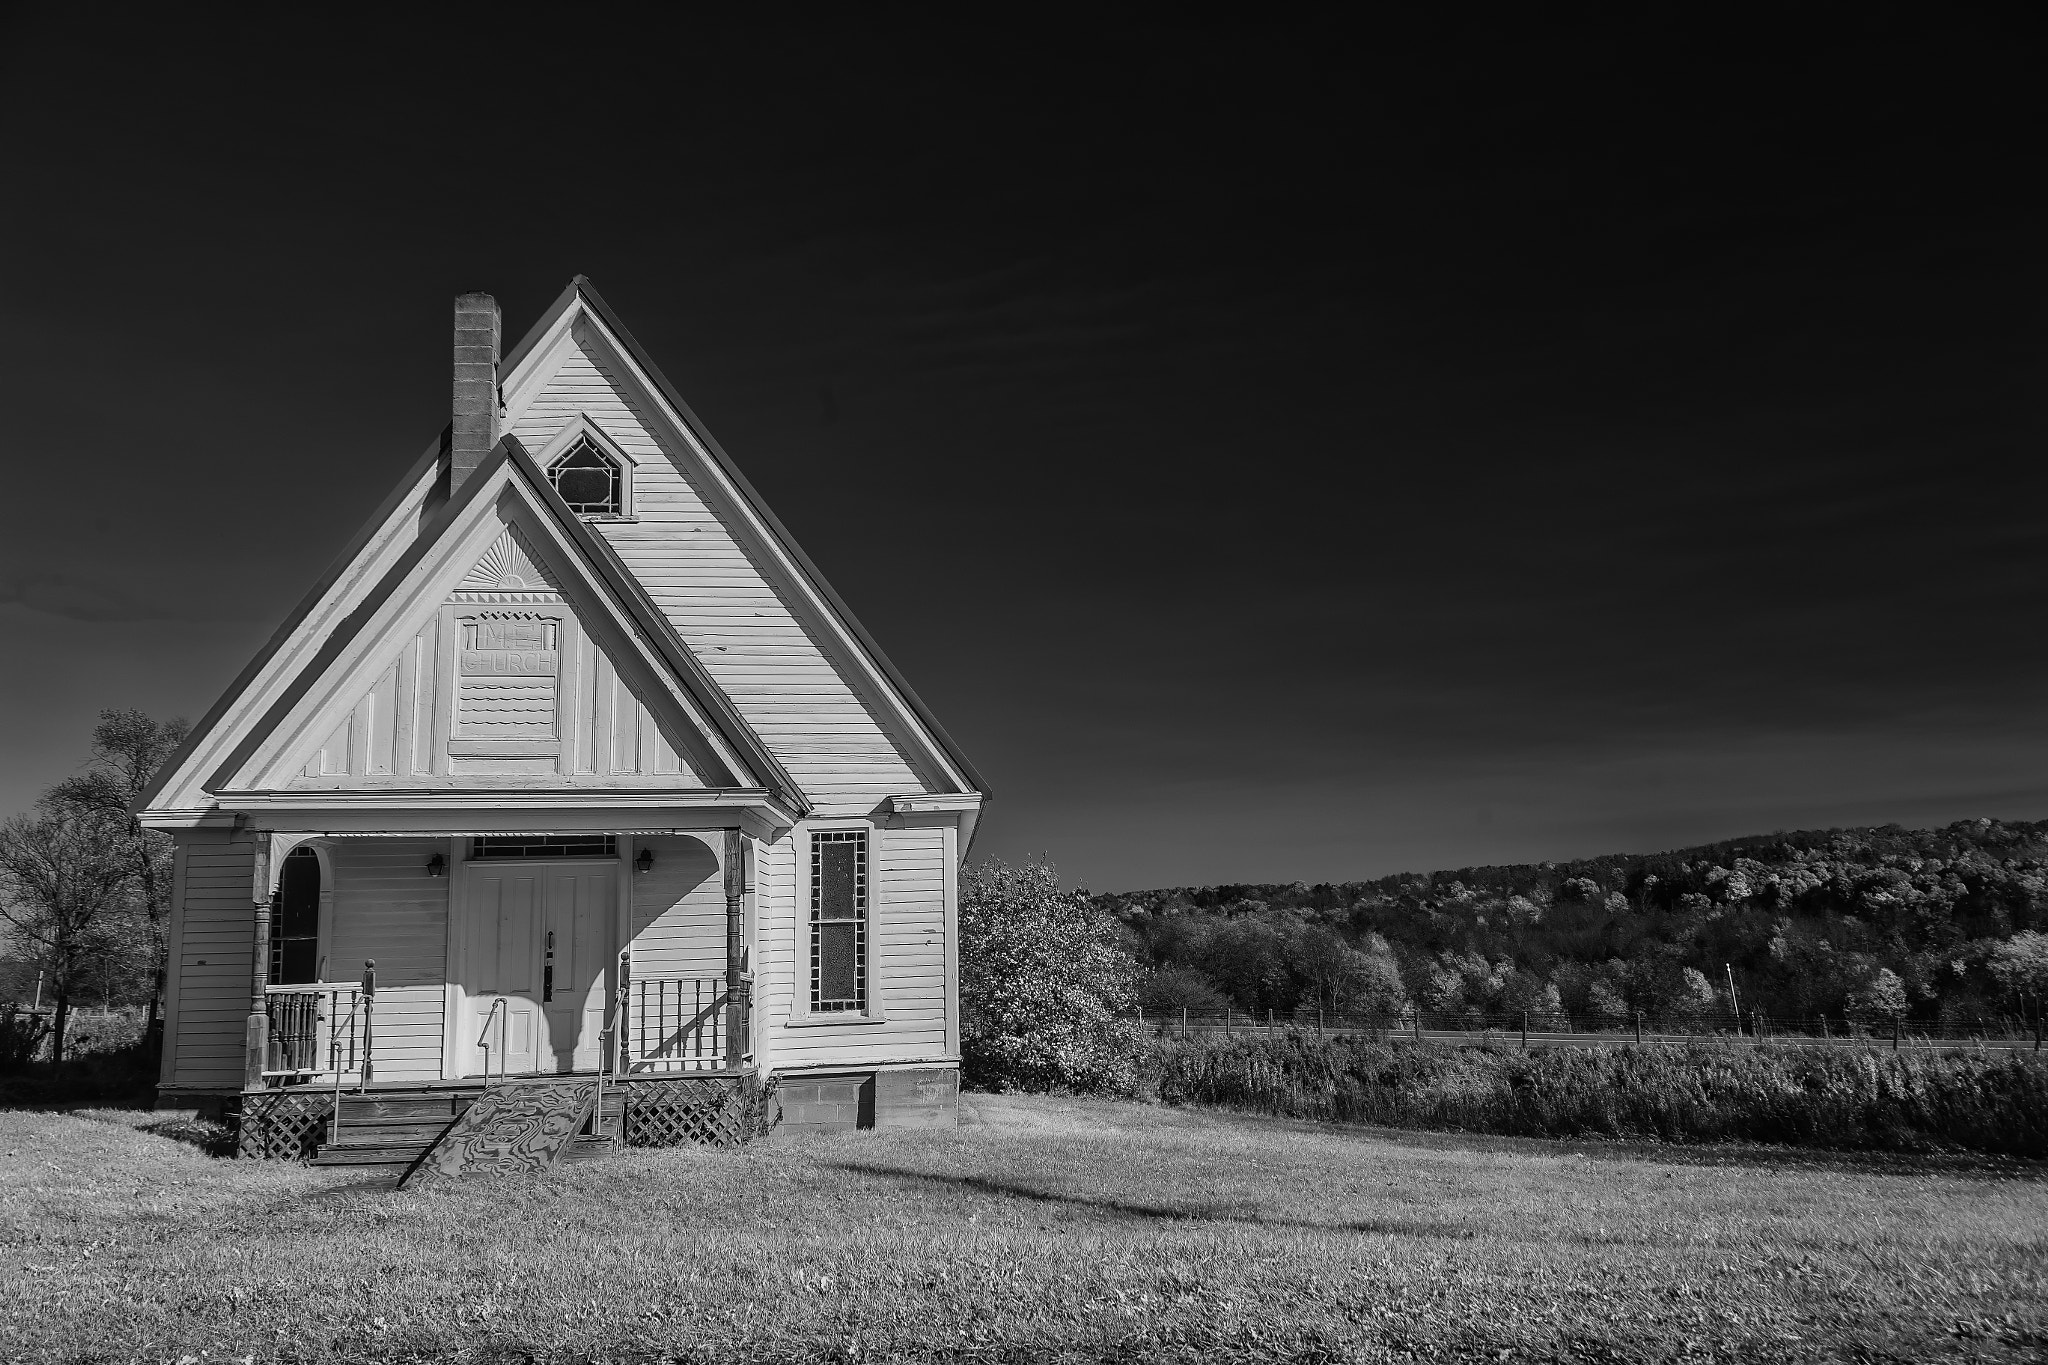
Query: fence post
[1639, 1028]
[1416, 1020]
[1895, 1033]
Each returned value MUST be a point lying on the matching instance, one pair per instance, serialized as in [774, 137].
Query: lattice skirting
[705, 1111]
[284, 1125]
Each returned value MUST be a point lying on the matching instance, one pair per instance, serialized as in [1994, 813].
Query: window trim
[576, 429]
[324, 932]
[874, 1009]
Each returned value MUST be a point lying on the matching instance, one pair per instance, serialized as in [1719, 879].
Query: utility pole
[1734, 1005]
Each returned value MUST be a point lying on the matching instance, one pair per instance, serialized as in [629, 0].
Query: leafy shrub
[1043, 975]
[1852, 1098]
[122, 1077]
[21, 1037]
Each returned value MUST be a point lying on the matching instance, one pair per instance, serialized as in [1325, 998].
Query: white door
[576, 948]
[537, 945]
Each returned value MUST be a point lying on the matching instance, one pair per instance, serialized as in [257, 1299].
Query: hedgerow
[1849, 1098]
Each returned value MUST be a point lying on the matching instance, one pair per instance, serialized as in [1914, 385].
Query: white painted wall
[210, 960]
[906, 954]
[386, 907]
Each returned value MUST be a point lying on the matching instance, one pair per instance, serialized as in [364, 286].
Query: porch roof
[468, 814]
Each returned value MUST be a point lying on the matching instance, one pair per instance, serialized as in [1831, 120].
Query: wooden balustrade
[317, 1028]
[683, 1025]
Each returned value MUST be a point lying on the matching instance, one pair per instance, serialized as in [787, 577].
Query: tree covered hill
[1935, 926]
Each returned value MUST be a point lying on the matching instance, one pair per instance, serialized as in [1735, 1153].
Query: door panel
[580, 910]
[502, 955]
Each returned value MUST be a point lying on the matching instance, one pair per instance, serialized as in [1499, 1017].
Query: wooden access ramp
[522, 1125]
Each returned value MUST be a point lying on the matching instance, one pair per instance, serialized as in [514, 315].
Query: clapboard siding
[387, 909]
[906, 946]
[678, 912]
[724, 607]
[212, 959]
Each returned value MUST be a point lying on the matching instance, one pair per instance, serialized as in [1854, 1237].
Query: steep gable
[751, 608]
[504, 647]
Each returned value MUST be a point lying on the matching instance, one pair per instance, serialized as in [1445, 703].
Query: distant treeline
[1932, 926]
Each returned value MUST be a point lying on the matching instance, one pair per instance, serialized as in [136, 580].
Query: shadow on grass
[214, 1139]
[1244, 1211]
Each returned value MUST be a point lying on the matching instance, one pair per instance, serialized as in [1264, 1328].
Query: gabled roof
[581, 291]
[253, 711]
[417, 514]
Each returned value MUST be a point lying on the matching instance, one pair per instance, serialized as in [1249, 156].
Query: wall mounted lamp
[437, 866]
[645, 862]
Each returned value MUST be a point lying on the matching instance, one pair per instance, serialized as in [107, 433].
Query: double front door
[536, 946]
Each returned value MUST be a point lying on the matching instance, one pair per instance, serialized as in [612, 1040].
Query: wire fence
[1547, 1028]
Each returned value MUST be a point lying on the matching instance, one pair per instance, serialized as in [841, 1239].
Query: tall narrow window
[839, 920]
[295, 931]
[587, 480]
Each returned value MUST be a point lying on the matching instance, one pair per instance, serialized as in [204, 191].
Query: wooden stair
[514, 1126]
[385, 1133]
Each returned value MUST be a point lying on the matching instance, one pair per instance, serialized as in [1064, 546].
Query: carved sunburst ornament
[508, 566]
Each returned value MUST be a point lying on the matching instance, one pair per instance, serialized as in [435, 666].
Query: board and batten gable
[395, 732]
[504, 666]
[799, 698]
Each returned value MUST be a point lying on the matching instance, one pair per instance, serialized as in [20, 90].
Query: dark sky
[1274, 453]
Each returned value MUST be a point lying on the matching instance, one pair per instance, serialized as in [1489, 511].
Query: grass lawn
[1043, 1228]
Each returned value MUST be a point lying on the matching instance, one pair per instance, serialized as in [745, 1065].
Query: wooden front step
[524, 1125]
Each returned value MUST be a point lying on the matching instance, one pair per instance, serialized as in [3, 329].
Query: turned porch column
[735, 948]
[256, 1036]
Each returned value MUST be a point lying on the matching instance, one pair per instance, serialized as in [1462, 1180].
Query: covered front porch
[398, 967]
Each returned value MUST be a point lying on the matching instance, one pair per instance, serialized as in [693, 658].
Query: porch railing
[317, 1028]
[679, 1024]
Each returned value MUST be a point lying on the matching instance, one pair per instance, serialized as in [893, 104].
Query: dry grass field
[1042, 1229]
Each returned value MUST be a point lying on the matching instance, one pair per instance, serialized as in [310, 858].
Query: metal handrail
[334, 1056]
[483, 1039]
[614, 1015]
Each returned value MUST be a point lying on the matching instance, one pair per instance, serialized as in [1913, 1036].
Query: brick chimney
[477, 331]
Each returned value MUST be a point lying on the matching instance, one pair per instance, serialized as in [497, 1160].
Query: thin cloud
[77, 599]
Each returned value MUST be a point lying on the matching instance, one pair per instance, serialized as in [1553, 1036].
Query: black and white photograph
[982, 688]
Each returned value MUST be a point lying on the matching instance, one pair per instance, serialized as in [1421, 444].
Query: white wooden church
[571, 807]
